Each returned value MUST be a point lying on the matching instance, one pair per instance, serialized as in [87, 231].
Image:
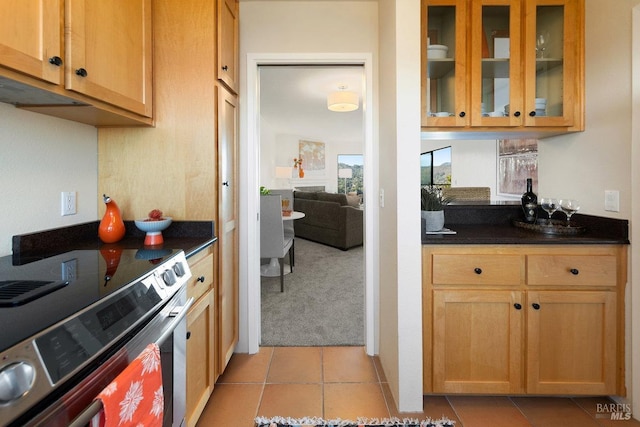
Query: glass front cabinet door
[444, 63]
[553, 77]
[509, 64]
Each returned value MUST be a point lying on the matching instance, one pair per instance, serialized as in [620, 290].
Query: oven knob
[178, 269]
[169, 277]
[15, 380]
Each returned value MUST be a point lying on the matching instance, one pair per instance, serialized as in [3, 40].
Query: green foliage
[264, 190]
[431, 199]
[355, 183]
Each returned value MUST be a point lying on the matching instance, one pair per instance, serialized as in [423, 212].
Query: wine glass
[569, 207]
[542, 41]
[549, 205]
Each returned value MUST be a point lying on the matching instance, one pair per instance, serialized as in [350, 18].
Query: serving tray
[554, 226]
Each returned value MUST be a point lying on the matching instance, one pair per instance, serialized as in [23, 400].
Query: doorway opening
[250, 316]
[322, 300]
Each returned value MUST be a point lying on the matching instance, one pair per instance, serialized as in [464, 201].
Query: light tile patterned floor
[343, 382]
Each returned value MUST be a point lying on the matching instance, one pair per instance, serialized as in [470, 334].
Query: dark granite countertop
[190, 236]
[492, 223]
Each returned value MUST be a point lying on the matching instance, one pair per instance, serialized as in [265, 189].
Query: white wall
[280, 150]
[400, 271]
[41, 156]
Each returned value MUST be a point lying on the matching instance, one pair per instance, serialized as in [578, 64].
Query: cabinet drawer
[201, 277]
[577, 270]
[474, 269]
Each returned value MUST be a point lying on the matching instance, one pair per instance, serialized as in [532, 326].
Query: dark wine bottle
[530, 203]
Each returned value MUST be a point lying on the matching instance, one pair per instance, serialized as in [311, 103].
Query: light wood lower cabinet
[553, 324]
[201, 345]
[571, 340]
[477, 339]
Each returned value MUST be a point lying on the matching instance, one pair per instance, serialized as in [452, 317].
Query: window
[350, 173]
[435, 167]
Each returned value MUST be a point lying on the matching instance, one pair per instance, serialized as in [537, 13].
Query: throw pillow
[353, 201]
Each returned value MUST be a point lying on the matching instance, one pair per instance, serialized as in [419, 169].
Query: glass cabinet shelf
[439, 68]
[546, 64]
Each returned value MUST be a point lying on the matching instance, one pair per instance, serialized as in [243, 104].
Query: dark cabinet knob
[477, 270]
[81, 72]
[574, 271]
[517, 114]
[532, 113]
[517, 306]
[200, 279]
[55, 60]
[462, 114]
[535, 306]
[188, 334]
[225, 68]
[226, 183]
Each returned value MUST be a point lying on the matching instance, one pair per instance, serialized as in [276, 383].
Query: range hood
[20, 94]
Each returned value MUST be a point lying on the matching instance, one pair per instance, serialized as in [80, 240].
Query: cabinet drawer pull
[477, 270]
[81, 72]
[535, 306]
[55, 60]
[225, 68]
[518, 306]
[574, 271]
[188, 334]
[532, 113]
[200, 279]
[462, 114]
[517, 114]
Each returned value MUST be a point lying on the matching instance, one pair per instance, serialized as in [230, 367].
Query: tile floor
[343, 382]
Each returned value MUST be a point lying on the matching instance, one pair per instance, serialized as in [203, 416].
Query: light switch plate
[612, 200]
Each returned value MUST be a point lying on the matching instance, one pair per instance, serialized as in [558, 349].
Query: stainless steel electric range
[69, 323]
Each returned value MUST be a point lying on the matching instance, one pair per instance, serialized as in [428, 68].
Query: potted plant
[432, 203]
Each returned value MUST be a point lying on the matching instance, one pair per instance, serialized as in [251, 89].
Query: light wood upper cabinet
[109, 52]
[509, 65]
[82, 60]
[31, 38]
[228, 43]
[553, 323]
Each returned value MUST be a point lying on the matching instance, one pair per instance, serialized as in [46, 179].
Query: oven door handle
[178, 314]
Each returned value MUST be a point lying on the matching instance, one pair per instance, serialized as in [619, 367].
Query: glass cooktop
[59, 286]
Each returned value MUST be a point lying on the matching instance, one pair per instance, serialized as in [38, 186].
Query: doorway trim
[250, 198]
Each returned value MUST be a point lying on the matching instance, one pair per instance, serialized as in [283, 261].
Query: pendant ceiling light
[343, 100]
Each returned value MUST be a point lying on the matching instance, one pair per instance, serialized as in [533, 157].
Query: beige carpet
[323, 299]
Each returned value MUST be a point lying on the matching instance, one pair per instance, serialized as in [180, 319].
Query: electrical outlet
[68, 203]
[612, 200]
[70, 270]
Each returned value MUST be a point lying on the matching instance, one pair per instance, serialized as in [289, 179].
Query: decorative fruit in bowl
[153, 226]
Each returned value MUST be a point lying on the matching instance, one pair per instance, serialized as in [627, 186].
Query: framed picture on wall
[517, 161]
[312, 155]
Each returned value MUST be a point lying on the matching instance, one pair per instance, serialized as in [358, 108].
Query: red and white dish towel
[135, 397]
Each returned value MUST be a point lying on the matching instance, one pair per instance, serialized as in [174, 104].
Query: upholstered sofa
[330, 218]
